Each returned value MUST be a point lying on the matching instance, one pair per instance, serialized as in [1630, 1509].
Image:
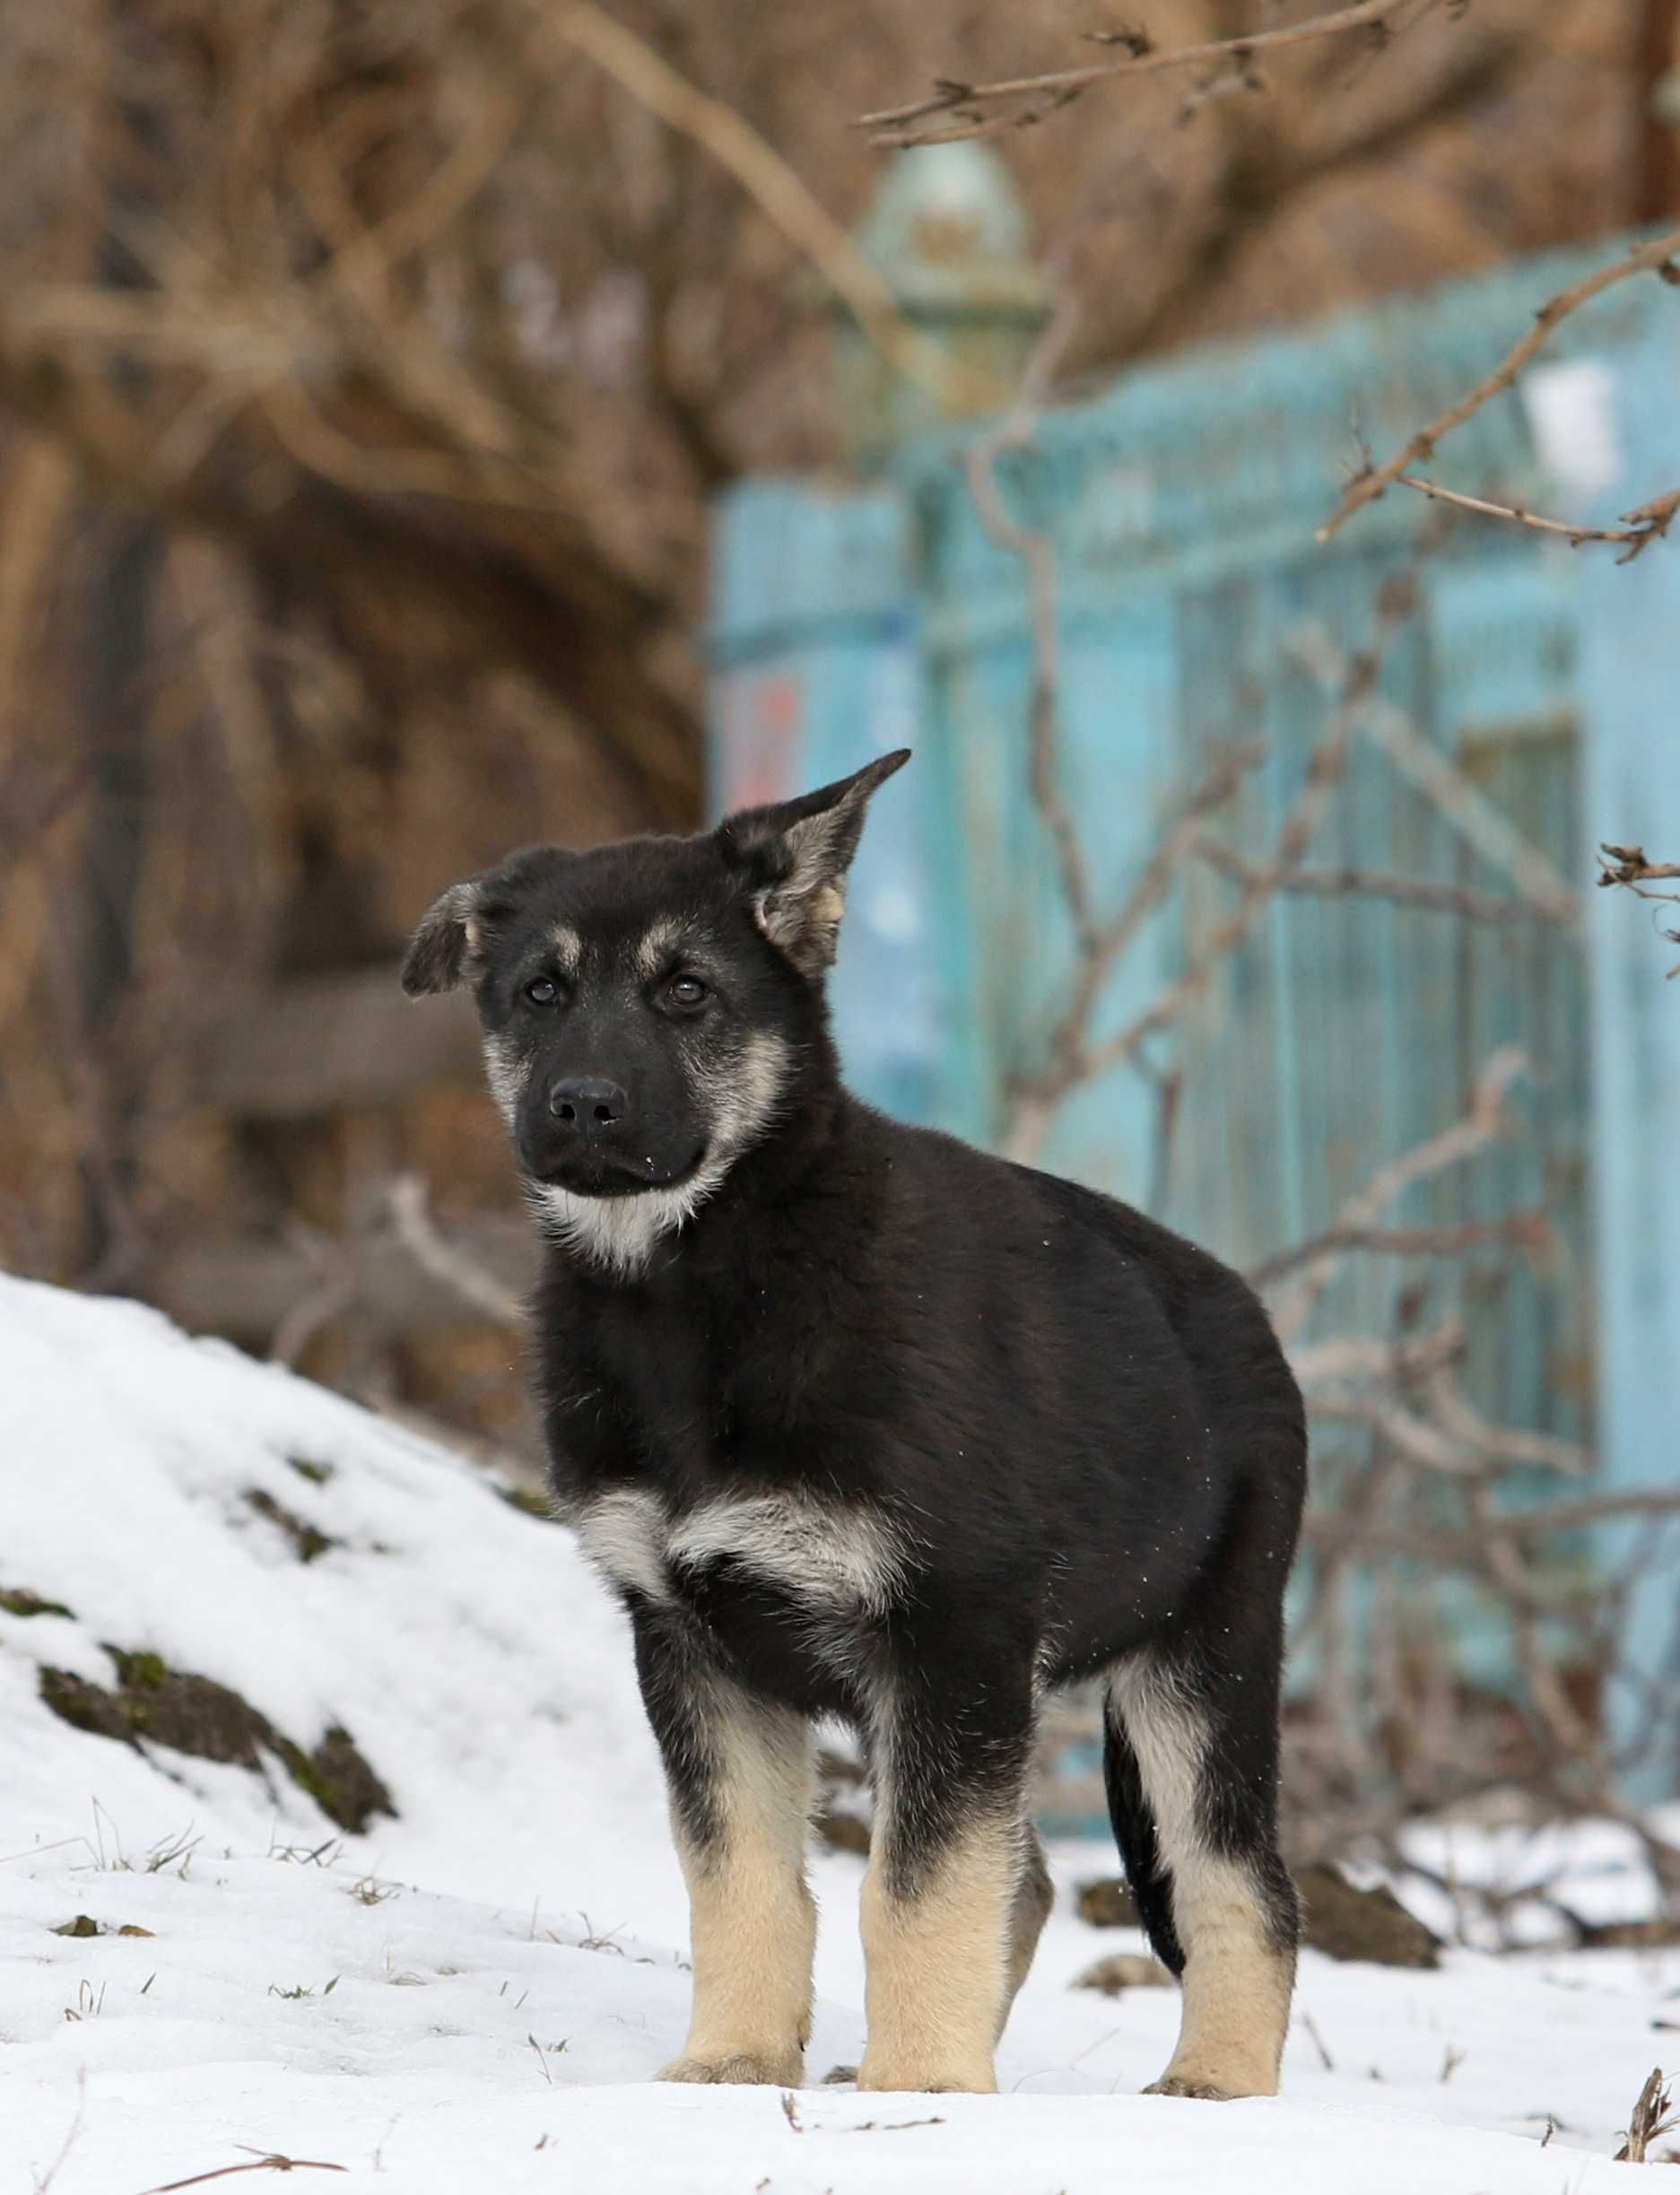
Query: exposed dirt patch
[1124, 1970]
[18, 1600]
[841, 1819]
[1339, 1920]
[1348, 1923]
[530, 1501]
[306, 1537]
[1106, 1903]
[197, 1716]
[843, 1832]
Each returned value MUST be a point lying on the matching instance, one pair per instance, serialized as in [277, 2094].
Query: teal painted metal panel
[1630, 688]
[817, 667]
[1182, 505]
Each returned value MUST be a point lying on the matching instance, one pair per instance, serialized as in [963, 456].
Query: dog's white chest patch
[834, 1558]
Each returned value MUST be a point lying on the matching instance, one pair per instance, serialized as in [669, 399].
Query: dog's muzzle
[585, 1137]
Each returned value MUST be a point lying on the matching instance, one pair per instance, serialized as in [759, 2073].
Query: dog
[860, 1423]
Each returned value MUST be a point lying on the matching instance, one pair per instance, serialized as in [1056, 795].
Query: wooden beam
[1657, 126]
[321, 1044]
[244, 1286]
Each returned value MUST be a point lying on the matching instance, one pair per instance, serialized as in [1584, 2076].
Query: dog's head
[645, 1005]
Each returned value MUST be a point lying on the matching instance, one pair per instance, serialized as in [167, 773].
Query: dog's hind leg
[739, 1772]
[952, 1905]
[1034, 1895]
[1192, 1757]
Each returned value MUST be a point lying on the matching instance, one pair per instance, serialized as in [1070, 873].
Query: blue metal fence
[1182, 506]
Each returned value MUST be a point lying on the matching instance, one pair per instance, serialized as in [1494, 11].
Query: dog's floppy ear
[437, 955]
[796, 855]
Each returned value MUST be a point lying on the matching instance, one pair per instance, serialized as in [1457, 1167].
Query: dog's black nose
[585, 1105]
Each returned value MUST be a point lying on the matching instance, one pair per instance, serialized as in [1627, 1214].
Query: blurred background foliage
[366, 368]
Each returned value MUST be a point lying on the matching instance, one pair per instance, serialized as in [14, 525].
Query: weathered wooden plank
[244, 1286]
[321, 1044]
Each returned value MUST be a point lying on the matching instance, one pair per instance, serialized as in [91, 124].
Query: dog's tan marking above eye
[567, 949]
[657, 947]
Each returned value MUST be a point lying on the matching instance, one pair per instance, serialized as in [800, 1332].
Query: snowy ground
[471, 1997]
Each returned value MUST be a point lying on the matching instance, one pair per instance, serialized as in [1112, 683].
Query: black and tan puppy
[861, 1423]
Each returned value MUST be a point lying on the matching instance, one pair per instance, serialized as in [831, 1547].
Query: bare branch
[1637, 531]
[447, 1261]
[1627, 866]
[1037, 552]
[1525, 1231]
[1033, 1101]
[1657, 257]
[1367, 1356]
[1481, 1126]
[1026, 99]
[1481, 822]
[1427, 893]
[1324, 772]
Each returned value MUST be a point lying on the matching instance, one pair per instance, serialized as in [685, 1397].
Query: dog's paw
[739, 2069]
[1208, 2092]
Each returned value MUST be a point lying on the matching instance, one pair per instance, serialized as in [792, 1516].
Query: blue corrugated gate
[1182, 506]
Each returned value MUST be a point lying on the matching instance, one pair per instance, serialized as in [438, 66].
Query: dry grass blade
[1651, 2117]
[272, 2162]
[42, 2182]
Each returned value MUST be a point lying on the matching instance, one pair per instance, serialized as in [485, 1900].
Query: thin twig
[1037, 552]
[1479, 821]
[1510, 1231]
[43, 2181]
[275, 2163]
[1626, 865]
[1324, 772]
[1656, 256]
[1139, 56]
[1481, 1126]
[1636, 532]
[445, 1262]
[1427, 893]
[1033, 1101]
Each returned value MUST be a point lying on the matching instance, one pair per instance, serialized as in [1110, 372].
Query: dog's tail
[1135, 1833]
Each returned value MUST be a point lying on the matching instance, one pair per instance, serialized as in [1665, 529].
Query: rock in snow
[330, 1830]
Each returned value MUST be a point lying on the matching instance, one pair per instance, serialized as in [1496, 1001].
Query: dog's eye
[542, 990]
[687, 991]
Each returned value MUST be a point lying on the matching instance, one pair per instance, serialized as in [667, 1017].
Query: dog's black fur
[952, 1431]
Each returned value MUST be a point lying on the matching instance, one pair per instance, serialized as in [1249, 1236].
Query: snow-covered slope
[468, 1993]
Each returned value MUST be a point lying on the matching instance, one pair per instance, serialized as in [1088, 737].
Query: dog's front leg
[952, 1859]
[738, 1769]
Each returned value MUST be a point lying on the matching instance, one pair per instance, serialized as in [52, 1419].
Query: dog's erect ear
[437, 955]
[795, 856]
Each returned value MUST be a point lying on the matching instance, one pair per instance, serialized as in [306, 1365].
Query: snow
[472, 1997]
